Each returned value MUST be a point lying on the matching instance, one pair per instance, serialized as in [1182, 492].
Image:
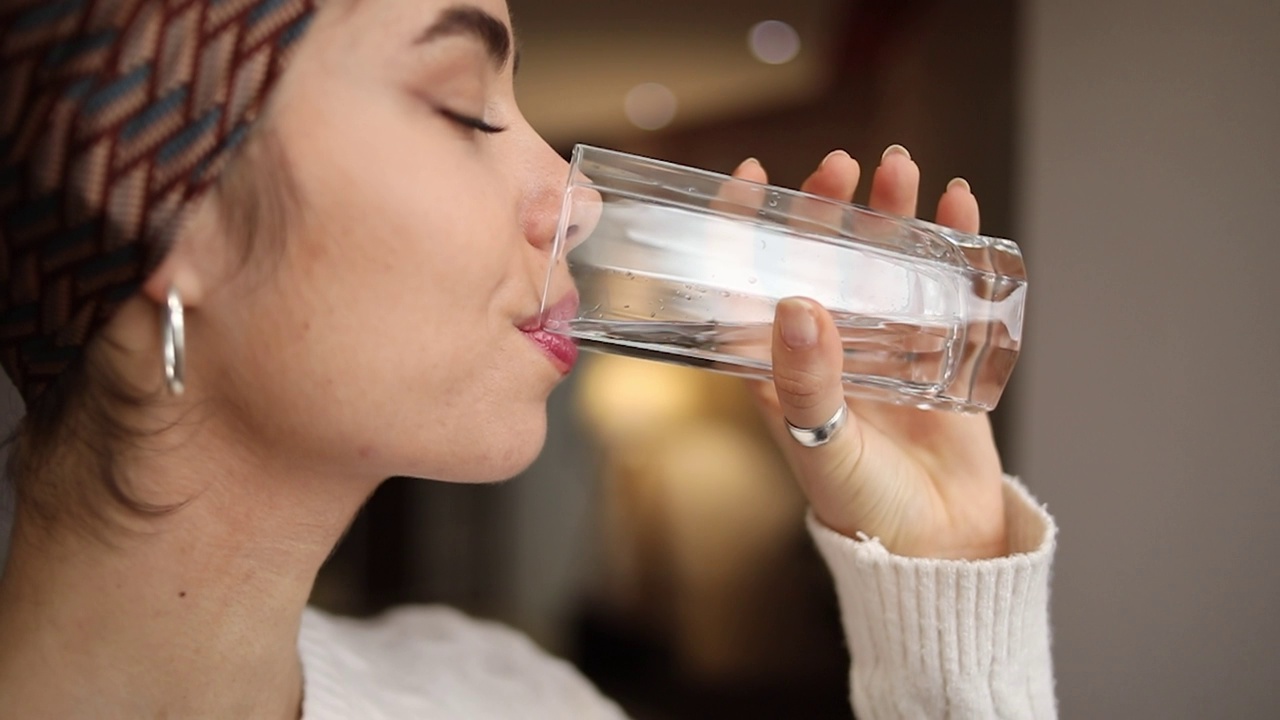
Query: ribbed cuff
[949, 638]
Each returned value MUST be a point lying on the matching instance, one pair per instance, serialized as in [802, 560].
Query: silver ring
[821, 435]
[175, 343]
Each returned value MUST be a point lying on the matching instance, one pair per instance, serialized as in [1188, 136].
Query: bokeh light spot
[651, 106]
[774, 42]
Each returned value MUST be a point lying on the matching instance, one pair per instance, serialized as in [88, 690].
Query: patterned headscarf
[114, 116]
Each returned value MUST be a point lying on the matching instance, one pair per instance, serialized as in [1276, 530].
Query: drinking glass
[685, 266]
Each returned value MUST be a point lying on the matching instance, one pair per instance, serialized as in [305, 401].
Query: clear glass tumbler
[684, 265]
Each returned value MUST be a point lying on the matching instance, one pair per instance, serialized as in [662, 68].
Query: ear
[196, 261]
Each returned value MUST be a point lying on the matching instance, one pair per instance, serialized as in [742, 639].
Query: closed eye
[471, 122]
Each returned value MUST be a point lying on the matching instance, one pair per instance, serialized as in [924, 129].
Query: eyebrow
[471, 21]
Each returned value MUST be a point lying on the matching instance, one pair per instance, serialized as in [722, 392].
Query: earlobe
[190, 264]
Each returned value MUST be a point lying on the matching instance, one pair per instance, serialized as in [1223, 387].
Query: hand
[927, 483]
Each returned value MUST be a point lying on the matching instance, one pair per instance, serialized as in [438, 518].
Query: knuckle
[799, 387]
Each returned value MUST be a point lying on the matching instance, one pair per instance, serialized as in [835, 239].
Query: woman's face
[391, 338]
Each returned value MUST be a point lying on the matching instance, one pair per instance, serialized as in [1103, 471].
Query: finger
[745, 194]
[896, 185]
[807, 361]
[958, 208]
[751, 169]
[836, 177]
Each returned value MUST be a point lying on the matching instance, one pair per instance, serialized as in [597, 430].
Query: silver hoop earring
[175, 341]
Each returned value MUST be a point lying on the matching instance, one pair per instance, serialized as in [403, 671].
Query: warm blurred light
[774, 42]
[651, 106]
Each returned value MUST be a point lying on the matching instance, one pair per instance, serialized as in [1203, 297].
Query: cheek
[399, 308]
[405, 209]
[395, 304]
[394, 263]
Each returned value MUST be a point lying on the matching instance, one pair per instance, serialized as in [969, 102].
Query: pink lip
[562, 351]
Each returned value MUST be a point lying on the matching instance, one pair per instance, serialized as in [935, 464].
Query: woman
[345, 255]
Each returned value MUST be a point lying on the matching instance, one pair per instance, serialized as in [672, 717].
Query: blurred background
[1129, 146]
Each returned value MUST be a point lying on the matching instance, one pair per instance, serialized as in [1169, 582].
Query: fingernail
[895, 149]
[959, 184]
[833, 153]
[749, 162]
[799, 326]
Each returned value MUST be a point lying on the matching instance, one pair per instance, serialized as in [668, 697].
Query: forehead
[351, 38]
[384, 32]
[409, 16]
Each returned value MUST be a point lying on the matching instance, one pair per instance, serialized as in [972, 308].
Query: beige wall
[1150, 387]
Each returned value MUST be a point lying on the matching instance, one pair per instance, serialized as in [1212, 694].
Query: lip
[561, 350]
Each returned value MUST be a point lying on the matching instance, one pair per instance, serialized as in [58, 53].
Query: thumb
[808, 359]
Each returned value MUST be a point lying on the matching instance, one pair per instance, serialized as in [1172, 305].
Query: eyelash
[473, 123]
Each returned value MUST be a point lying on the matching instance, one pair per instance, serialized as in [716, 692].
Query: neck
[192, 613]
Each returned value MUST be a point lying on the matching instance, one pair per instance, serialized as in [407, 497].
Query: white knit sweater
[929, 639]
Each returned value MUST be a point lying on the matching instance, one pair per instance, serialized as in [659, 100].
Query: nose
[545, 203]
[584, 207]
[545, 183]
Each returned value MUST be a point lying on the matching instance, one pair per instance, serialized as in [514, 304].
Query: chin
[502, 459]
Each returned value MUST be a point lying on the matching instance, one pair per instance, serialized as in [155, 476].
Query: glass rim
[629, 169]
[616, 164]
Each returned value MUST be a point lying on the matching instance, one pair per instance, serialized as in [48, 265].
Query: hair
[65, 454]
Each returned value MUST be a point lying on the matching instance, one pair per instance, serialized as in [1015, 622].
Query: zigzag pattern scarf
[114, 115]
